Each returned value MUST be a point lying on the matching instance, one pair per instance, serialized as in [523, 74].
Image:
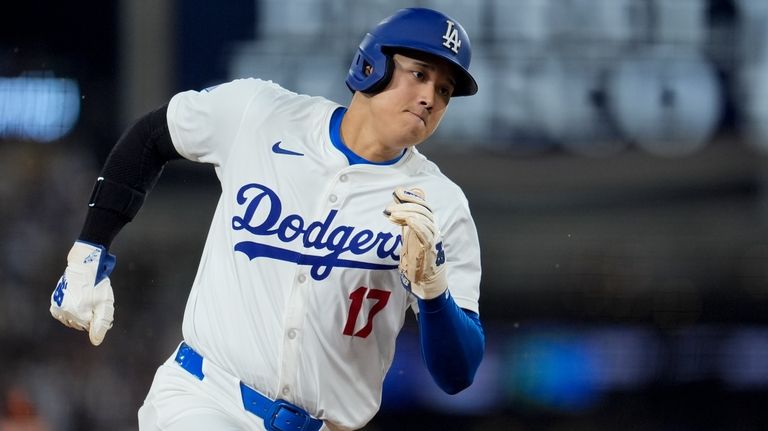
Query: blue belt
[278, 415]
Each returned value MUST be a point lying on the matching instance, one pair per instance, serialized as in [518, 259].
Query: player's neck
[359, 135]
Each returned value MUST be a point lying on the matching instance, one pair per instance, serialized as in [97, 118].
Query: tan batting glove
[422, 269]
[83, 298]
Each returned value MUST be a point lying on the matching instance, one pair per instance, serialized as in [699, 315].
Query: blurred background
[615, 160]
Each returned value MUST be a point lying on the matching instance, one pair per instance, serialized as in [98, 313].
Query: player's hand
[83, 298]
[421, 256]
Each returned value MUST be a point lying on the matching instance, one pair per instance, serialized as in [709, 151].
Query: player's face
[412, 105]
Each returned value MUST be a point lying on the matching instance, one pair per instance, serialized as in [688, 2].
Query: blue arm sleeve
[452, 342]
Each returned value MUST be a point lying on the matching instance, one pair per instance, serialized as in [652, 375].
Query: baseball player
[329, 227]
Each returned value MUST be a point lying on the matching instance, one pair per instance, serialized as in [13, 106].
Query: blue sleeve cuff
[435, 304]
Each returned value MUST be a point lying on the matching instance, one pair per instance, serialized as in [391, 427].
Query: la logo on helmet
[451, 37]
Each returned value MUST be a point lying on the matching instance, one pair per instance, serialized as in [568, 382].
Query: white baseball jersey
[297, 293]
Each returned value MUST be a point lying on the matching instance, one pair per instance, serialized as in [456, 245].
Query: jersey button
[332, 198]
[292, 333]
[343, 178]
[286, 390]
[302, 278]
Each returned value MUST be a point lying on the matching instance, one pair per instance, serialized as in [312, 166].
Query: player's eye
[419, 75]
[445, 91]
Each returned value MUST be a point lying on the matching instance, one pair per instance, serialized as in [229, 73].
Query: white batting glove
[83, 298]
[421, 256]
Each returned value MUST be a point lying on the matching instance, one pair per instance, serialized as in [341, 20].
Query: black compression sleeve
[131, 170]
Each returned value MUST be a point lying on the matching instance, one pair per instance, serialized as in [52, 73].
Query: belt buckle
[297, 421]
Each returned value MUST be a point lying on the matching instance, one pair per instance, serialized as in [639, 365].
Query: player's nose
[427, 96]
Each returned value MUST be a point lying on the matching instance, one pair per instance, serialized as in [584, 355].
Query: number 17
[358, 296]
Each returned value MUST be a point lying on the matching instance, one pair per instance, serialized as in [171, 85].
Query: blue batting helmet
[418, 29]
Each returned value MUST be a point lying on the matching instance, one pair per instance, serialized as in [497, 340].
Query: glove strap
[107, 261]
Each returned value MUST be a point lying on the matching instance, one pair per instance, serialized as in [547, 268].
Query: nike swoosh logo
[277, 149]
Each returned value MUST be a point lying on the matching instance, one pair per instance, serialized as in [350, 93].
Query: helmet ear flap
[382, 83]
[371, 68]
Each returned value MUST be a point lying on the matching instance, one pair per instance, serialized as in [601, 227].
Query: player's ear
[368, 70]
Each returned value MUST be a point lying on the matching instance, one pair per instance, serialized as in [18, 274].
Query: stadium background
[615, 160]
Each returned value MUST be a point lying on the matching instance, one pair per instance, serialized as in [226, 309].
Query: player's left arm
[452, 342]
[452, 338]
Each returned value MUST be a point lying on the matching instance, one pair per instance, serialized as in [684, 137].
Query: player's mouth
[422, 116]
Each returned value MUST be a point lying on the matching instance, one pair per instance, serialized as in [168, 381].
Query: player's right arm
[196, 125]
[83, 297]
